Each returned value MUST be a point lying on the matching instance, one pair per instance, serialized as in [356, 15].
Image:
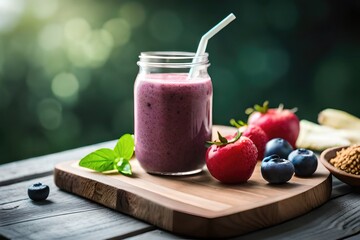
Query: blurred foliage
[67, 68]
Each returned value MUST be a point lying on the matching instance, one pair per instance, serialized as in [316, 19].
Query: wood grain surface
[61, 216]
[198, 205]
[44, 165]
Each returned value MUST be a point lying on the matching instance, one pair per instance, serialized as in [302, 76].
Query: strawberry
[231, 161]
[255, 133]
[276, 122]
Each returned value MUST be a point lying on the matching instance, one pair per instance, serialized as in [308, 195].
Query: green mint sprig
[105, 159]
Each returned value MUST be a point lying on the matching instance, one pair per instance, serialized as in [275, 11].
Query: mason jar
[172, 112]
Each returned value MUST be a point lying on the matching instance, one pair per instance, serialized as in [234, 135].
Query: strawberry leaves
[257, 108]
[224, 141]
[265, 107]
[237, 124]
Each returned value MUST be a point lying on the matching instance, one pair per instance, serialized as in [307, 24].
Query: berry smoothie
[173, 120]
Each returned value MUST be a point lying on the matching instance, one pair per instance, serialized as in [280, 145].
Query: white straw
[204, 39]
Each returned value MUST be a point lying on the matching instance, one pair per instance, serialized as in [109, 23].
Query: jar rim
[172, 59]
[170, 54]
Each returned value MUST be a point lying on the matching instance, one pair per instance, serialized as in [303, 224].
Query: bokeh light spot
[44, 9]
[76, 55]
[65, 85]
[49, 112]
[134, 13]
[119, 29]
[98, 47]
[168, 32]
[77, 29]
[10, 14]
[86, 47]
[51, 37]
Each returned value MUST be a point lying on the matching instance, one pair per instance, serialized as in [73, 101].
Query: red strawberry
[232, 161]
[255, 133]
[276, 122]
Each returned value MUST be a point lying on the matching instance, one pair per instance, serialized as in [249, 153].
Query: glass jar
[173, 112]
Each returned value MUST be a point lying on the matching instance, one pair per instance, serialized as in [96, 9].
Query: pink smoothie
[173, 120]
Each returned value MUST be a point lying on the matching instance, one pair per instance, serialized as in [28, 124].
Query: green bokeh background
[67, 68]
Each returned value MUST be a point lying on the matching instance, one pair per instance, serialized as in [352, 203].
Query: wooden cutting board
[198, 205]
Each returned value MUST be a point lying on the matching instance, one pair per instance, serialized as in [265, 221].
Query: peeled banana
[337, 128]
[339, 119]
[316, 137]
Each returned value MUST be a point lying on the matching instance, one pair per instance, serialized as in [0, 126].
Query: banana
[338, 119]
[337, 128]
[318, 138]
[352, 135]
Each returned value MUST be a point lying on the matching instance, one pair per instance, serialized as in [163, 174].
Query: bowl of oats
[343, 163]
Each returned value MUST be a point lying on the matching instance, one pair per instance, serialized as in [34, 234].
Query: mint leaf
[124, 167]
[101, 160]
[106, 159]
[125, 147]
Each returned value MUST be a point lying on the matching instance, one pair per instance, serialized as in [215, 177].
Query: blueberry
[276, 170]
[304, 161]
[278, 146]
[38, 191]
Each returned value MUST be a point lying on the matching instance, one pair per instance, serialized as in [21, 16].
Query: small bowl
[350, 179]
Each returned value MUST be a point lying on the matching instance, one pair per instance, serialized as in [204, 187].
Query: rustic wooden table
[68, 216]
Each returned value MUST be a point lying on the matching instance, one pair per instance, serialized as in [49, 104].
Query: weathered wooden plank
[43, 166]
[155, 235]
[337, 219]
[354, 237]
[96, 222]
[339, 188]
[62, 215]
